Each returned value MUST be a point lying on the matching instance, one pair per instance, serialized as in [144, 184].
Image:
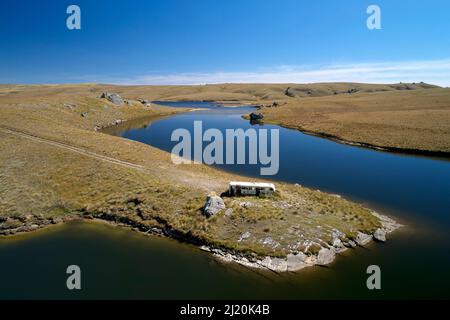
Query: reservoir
[118, 263]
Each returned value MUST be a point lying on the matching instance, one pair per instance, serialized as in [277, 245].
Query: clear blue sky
[190, 41]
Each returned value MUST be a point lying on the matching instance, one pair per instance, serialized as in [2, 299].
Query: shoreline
[277, 264]
[290, 263]
[300, 261]
[439, 155]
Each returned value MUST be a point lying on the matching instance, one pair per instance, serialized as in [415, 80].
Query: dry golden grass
[53, 164]
[412, 120]
[408, 117]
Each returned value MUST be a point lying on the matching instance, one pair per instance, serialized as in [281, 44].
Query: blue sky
[210, 41]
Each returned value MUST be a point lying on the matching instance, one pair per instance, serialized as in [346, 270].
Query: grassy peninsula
[58, 165]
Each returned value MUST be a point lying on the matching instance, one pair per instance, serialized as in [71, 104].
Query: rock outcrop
[380, 235]
[336, 241]
[325, 257]
[362, 239]
[296, 262]
[275, 264]
[289, 93]
[213, 205]
[113, 97]
[256, 116]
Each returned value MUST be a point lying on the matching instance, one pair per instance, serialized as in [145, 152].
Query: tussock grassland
[54, 166]
[410, 117]
[416, 121]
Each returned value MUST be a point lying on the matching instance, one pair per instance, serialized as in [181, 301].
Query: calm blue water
[121, 264]
[407, 186]
[414, 190]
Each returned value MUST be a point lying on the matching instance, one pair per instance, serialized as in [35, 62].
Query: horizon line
[215, 84]
[435, 72]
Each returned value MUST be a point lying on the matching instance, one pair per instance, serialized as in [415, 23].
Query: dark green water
[118, 263]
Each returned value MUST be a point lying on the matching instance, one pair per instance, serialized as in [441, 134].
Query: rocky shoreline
[298, 261]
[291, 263]
[10, 226]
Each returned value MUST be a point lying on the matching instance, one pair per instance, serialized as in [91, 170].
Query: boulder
[288, 93]
[267, 241]
[380, 235]
[113, 97]
[325, 256]
[256, 116]
[336, 242]
[336, 236]
[213, 205]
[296, 262]
[350, 244]
[205, 248]
[275, 264]
[362, 239]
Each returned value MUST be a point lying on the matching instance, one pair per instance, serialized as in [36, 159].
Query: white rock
[380, 235]
[113, 97]
[213, 205]
[296, 262]
[267, 241]
[363, 239]
[336, 242]
[388, 224]
[352, 244]
[325, 256]
[275, 264]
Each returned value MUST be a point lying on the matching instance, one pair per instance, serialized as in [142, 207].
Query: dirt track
[71, 148]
